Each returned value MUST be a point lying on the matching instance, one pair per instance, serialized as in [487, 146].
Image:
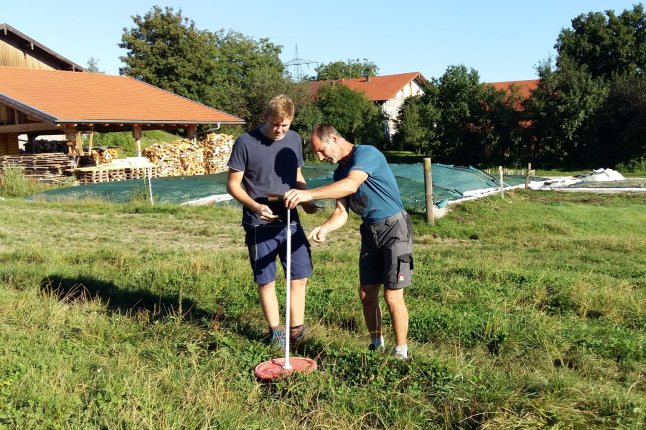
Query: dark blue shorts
[266, 242]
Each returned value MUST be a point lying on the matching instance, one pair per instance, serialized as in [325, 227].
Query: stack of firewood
[104, 155]
[180, 158]
[217, 150]
[183, 158]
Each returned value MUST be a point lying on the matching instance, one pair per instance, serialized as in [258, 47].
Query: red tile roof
[377, 88]
[525, 87]
[68, 97]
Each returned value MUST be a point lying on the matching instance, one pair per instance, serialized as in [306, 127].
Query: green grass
[526, 313]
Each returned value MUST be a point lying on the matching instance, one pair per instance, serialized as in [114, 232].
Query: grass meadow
[525, 313]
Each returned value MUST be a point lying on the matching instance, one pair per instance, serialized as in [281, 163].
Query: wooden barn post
[136, 133]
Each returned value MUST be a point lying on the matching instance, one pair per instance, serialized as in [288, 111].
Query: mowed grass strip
[525, 312]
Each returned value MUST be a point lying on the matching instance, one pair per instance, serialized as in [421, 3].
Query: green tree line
[588, 109]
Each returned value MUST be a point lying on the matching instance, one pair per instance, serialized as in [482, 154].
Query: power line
[296, 64]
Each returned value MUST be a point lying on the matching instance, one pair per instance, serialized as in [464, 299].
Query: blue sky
[503, 40]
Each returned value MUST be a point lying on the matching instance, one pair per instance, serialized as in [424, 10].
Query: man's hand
[266, 214]
[293, 197]
[318, 234]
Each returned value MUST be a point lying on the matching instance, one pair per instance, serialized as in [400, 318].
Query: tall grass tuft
[14, 183]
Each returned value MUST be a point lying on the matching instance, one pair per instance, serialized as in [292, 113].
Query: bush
[633, 166]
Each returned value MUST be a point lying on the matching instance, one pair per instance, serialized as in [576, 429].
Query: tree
[460, 120]
[225, 70]
[93, 65]
[239, 62]
[621, 122]
[563, 110]
[355, 116]
[500, 125]
[346, 70]
[601, 117]
[606, 44]
[166, 50]
[413, 130]
[458, 98]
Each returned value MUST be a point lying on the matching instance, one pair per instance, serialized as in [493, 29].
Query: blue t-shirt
[269, 167]
[378, 196]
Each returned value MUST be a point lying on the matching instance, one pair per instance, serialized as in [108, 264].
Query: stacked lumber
[42, 167]
[121, 171]
[184, 158]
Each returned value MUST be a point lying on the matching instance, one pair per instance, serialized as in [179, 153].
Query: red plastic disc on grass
[274, 369]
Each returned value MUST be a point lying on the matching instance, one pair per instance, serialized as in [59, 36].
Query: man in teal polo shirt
[364, 183]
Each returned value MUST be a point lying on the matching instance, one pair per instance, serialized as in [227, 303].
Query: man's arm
[336, 220]
[337, 190]
[300, 180]
[234, 187]
[301, 184]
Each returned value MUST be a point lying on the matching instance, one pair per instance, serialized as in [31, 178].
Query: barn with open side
[44, 94]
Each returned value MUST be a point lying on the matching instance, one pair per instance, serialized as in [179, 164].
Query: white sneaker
[400, 352]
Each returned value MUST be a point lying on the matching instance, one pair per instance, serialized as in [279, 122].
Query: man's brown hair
[324, 131]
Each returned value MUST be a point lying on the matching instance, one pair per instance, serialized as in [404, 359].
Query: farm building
[44, 94]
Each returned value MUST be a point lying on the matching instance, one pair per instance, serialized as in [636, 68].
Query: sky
[503, 40]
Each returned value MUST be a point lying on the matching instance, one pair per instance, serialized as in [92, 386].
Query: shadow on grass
[142, 304]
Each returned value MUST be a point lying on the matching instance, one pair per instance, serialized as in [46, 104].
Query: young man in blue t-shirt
[364, 183]
[266, 161]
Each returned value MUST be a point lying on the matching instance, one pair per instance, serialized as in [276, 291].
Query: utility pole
[296, 63]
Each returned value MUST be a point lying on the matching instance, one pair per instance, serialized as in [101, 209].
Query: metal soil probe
[280, 367]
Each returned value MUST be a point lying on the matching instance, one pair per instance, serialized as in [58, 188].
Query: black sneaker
[296, 336]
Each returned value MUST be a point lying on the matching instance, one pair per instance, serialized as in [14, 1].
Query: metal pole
[428, 191]
[288, 280]
[149, 171]
[502, 184]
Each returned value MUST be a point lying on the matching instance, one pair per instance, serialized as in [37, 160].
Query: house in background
[387, 91]
[525, 88]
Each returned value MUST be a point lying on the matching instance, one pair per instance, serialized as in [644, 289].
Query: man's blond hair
[280, 107]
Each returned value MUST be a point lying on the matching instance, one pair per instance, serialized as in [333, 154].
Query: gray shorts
[387, 252]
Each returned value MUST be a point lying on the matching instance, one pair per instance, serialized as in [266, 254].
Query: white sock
[401, 351]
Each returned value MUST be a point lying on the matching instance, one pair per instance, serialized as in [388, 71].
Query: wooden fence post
[502, 184]
[529, 169]
[428, 191]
